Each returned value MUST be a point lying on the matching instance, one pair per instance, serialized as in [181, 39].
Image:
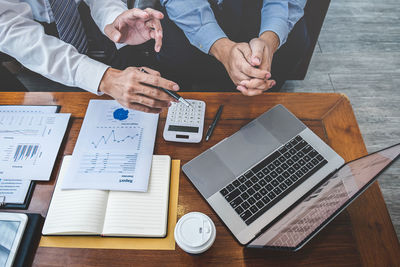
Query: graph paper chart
[114, 149]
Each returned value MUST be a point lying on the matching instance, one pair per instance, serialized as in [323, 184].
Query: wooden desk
[362, 235]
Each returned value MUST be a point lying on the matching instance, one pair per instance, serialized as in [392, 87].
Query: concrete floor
[358, 54]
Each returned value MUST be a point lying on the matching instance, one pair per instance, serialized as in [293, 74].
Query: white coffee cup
[195, 232]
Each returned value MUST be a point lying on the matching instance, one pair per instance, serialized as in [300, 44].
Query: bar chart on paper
[26, 152]
[29, 143]
[113, 150]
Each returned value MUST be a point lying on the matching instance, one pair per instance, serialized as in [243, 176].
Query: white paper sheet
[29, 144]
[27, 109]
[13, 190]
[114, 149]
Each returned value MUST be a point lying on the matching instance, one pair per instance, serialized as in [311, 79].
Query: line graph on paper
[104, 156]
[114, 137]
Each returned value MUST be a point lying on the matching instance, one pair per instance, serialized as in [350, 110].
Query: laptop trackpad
[246, 147]
[208, 173]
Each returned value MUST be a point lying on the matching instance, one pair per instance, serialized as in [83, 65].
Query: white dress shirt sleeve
[24, 39]
[105, 11]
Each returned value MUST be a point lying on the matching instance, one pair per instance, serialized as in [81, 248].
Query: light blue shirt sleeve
[280, 16]
[196, 19]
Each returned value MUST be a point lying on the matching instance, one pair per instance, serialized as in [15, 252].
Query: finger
[158, 82]
[266, 65]
[140, 107]
[255, 84]
[246, 52]
[238, 76]
[151, 71]
[152, 92]
[154, 13]
[149, 101]
[249, 92]
[156, 33]
[258, 84]
[135, 13]
[247, 68]
[113, 33]
[271, 83]
[159, 35]
[257, 50]
[253, 72]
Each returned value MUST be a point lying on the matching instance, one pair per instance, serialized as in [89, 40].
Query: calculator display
[187, 129]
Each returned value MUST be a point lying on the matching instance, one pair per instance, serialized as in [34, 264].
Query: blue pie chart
[120, 114]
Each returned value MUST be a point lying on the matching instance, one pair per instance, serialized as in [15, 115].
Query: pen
[171, 93]
[214, 123]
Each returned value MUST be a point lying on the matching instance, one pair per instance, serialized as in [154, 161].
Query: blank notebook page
[75, 211]
[141, 214]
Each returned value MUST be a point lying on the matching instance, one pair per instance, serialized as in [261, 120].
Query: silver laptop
[322, 204]
[255, 175]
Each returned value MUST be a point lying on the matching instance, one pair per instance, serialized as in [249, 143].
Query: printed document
[29, 143]
[13, 190]
[114, 149]
[27, 109]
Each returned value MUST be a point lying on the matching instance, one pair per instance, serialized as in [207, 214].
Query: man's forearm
[24, 39]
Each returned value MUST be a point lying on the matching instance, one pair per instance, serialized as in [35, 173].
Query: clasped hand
[248, 64]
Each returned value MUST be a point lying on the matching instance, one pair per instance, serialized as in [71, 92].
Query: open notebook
[111, 213]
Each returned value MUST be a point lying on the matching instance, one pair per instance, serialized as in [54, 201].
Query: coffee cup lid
[195, 232]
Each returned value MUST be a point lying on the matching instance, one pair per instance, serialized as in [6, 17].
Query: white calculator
[185, 124]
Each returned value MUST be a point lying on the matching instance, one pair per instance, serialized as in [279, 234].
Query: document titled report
[114, 149]
[29, 143]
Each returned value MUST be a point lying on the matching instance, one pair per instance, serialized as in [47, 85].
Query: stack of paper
[30, 137]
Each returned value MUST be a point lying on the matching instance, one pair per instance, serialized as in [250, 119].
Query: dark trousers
[185, 64]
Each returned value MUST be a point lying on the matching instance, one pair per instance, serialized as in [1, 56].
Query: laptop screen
[301, 223]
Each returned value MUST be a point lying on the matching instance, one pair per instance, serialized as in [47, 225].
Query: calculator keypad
[189, 116]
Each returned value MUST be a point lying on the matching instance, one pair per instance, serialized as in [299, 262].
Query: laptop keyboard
[269, 181]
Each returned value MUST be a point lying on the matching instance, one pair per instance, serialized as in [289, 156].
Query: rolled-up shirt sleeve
[24, 39]
[197, 21]
[280, 16]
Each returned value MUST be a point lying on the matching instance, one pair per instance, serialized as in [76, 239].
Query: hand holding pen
[137, 90]
[170, 93]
